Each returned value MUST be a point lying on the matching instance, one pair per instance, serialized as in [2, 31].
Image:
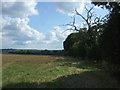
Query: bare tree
[91, 20]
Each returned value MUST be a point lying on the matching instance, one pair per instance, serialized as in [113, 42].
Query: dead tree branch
[90, 21]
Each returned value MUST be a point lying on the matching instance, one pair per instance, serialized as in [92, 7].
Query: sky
[39, 25]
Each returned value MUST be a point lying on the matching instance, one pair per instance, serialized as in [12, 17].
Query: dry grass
[35, 71]
[12, 58]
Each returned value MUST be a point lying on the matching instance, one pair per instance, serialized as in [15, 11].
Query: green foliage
[110, 38]
[74, 44]
[83, 44]
[101, 42]
[32, 52]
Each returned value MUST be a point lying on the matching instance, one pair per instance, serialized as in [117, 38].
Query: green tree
[110, 37]
[85, 42]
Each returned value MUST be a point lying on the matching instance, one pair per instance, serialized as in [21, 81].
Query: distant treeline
[32, 52]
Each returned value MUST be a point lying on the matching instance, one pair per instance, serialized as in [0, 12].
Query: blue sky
[37, 25]
[48, 17]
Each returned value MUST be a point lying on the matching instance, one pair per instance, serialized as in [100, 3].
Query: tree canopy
[100, 40]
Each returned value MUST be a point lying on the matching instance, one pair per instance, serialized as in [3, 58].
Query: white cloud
[69, 7]
[18, 32]
[56, 35]
[54, 38]
[28, 42]
[19, 8]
